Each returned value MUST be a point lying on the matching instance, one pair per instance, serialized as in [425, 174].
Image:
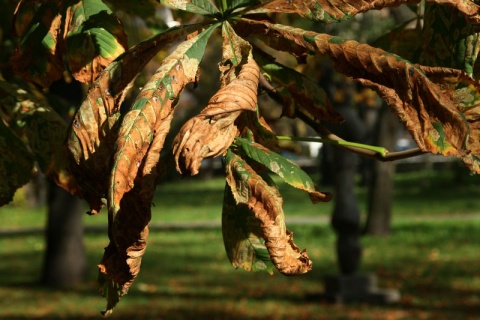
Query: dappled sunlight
[186, 274]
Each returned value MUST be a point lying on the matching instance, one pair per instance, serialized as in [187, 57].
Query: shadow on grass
[186, 275]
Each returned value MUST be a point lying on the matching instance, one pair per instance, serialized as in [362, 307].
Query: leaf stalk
[379, 150]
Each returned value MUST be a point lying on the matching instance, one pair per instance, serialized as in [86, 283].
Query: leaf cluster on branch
[114, 156]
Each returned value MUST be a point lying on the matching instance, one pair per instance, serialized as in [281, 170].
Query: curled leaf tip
[210, 133]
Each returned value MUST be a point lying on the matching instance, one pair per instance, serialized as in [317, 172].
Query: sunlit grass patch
[186, 274]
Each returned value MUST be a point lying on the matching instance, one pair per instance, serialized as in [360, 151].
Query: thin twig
[327, 134]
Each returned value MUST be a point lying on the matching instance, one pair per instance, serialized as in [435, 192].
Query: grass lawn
[186, 275]
[416, 194]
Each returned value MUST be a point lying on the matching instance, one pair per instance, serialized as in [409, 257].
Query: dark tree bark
[65, 261]
[64, 264]
[346, 212]
[381, 185]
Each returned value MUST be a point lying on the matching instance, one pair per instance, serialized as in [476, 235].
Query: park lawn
[416, 194]
[186, 275]
[433, 261]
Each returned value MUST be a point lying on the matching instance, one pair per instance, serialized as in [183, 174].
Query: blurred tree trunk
[346, 212]
[35, 191]
[65, 262]
[380, 191]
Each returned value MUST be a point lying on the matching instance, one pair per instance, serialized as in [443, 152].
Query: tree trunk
[381, 185]
[65, 263]
[346, 212]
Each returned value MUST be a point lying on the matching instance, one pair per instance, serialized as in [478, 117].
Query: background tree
[114, 155]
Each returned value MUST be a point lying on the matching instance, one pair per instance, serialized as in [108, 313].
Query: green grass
[186, 275]
[416, 194]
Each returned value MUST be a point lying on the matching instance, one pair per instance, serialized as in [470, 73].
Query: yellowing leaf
[265, 203]
[242, 236]
[284, 168]
[94, 37]
[43, 131]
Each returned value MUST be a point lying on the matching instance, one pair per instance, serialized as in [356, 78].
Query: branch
[377, 150]
[373, 152]
[377, 153]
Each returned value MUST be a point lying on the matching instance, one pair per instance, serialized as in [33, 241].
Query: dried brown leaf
[265, 202]
[338, 10]
[38, 56]
[246, 27]
[211, 132]
[93, 131]
[128, 227]
[153, 105]
[121, 261]
[429, 108]
[134, 170]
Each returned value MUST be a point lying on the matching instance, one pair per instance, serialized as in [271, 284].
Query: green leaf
[284, 168]
[94, 38]
[242, 236]
[38, 57]
[203, 7]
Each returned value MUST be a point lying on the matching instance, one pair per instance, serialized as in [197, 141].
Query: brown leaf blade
[16, 164]
[38, 56]
[329, 11]
[265, 203]
[211, 132]
[93, 131]
[42, 129]
[121, 261]
[134, 170]
[242, 237]
[465, 94]
[152, 106]
[297, 91]
[430, 111]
